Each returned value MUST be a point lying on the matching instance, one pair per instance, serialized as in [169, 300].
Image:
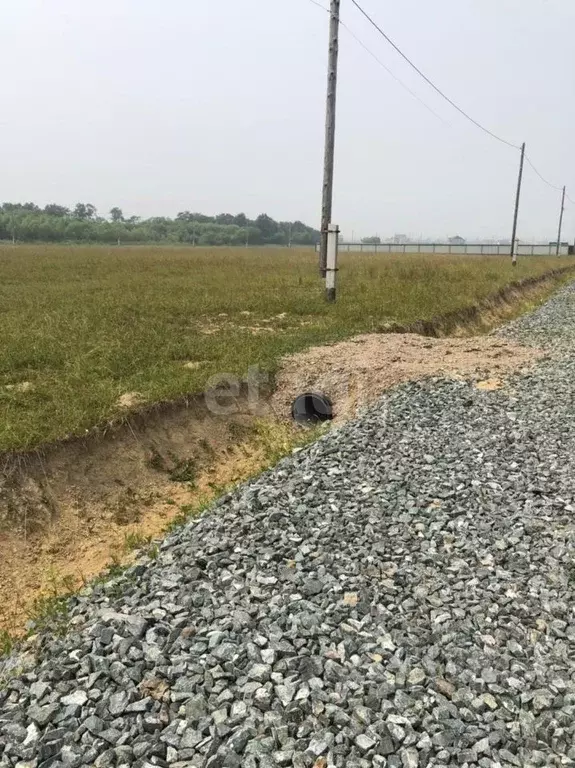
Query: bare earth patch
[490, 385]
[65, 515]
[357, 372]
[281, 323]
[22, 386]
[130, 400]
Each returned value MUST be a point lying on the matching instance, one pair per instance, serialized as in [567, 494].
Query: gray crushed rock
[400, 594]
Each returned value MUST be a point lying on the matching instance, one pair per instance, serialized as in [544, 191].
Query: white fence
[472, 249]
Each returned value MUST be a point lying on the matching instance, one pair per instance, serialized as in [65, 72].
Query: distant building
[400, 239]
[457, 240]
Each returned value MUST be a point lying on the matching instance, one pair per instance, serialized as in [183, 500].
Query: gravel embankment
[399, 594]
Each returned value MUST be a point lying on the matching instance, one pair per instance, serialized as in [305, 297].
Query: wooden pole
[561, 221]
[516, 214]
[327, 192]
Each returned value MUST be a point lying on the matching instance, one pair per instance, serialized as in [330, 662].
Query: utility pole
[517, 197]
[561, 221]
[327, 193]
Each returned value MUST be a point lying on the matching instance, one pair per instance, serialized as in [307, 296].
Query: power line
[389, 72]
[543, 179]
[438, 90]
[381, 64]
[430, 82]
[319, 5]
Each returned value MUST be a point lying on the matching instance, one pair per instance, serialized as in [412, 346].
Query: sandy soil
[355, 373]
[66, 515]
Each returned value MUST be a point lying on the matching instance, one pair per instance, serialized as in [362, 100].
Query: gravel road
[399, 594]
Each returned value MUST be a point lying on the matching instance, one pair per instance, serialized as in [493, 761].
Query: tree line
[27, 222]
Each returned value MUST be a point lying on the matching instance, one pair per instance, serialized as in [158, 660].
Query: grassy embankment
[82, 326]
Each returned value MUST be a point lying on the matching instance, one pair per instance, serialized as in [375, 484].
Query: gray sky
[218, 105]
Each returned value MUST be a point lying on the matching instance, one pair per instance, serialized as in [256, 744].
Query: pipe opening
[311, 408]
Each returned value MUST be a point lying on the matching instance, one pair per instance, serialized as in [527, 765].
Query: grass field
[82, 326]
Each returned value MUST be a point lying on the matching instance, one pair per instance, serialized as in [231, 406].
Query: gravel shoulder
[357, 372]
[398, 594]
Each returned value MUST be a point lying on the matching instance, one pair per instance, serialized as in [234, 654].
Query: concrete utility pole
[327, 195]
[516, 214]
[331, 264]
[561, 221]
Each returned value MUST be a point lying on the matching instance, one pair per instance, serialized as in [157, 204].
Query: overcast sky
[218, 106]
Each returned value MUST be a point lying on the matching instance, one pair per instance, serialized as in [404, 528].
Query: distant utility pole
[516, 214]
[561, 221]
[327, 194]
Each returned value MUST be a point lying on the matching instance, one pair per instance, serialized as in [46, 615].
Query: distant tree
[199, 217]
[267, 226]
[202, 218]
[26, 222]
[311, 237]
[226, 219]
[78, 229]
[373, 240]
[254, 235]
[52, 209]
[84, 211]
[20, 207]
[159, 227]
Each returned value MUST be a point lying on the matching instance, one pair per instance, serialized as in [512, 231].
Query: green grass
[82, 326]
[6, 643]
[51, 610]
[134, 540]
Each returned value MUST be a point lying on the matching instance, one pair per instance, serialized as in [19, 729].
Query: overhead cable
[381, 64]
[430, 82]
[543, 179]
